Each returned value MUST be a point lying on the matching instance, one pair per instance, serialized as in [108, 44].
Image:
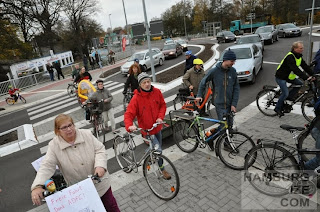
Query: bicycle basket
[97, 107]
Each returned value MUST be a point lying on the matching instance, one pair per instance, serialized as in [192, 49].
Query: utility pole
[149, 44]
[184, 19]
[310, 34]
[125, 16]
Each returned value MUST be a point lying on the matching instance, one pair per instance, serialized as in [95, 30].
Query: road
[17, 173]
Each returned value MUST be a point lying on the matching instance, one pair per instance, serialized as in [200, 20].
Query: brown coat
[193, 78]
[75, 162]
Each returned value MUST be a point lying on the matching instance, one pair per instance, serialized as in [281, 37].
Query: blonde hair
[296, 45]
[59, 120]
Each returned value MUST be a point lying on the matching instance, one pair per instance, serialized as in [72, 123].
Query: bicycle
[11, 100]
[281, 166]
[126, 99]
[124, 149]
[231, 146]
[97, 120]
[268, 97]
[186, 98]
[72, 89]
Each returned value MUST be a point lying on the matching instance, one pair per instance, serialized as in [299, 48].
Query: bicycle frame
[190, 104]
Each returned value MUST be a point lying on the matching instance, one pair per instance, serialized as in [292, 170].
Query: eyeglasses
[65, 128]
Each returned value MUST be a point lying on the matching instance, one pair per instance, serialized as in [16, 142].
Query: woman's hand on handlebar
[37, 195]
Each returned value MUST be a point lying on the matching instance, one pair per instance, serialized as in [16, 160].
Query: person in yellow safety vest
[287, 71]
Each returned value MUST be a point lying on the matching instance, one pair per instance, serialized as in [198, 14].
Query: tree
[77, 11]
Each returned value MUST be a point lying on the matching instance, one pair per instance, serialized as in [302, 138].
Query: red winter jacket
[147, 107]
[13, 90]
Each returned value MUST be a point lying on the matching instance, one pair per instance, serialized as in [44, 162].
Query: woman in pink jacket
[78, 154]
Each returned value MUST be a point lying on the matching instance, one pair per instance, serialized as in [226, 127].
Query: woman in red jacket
[148, 106]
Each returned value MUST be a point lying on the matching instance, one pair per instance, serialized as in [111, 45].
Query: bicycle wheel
[101, 132]
[186, 137]
[123, 153]
[233, 149]
[306, 141]
[266, 101]
[273, 169]
[307, 108]
[10, 101]
[23, 99]
[71, 89]
[165, 189]
[125, 103]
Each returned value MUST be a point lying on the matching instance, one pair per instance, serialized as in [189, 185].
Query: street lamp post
[125, 16]
[110, 22]
[184, 19]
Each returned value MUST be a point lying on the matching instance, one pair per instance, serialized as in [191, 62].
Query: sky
[134, 11]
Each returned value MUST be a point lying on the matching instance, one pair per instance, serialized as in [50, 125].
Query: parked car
[168, 41]
[268, 33]
[172, 50]
[255, 39]
[249, 61]
[183, 43]
[225, 36]
[288, 30]
[144, 59]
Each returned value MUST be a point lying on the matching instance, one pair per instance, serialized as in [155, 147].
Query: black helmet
[99, 80]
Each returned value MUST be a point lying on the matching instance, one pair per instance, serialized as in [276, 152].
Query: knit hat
[142, 77]
[229, 55]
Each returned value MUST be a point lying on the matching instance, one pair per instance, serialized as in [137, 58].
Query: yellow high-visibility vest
[292, 76]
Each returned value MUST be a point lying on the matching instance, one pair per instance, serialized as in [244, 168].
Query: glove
[124, 92]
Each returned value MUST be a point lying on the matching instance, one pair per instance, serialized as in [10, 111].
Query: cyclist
[142, 69]
[12, 92]
[132, 80]
[189, 61]
[107, 111]
[193, 77]
[148, 106]
[287, 71]
[75, 72]
[83, 75]
[111, 57]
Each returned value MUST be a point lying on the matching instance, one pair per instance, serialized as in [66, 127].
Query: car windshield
[287, 26]
[251, 39]
[167, 47]
[139, 56]
[263, 29]
[181, 42]
[228, 33]
[241, 53]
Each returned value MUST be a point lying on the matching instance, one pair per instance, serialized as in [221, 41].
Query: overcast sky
[134, 11]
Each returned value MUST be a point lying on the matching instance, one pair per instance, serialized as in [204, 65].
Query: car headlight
[171, 52]
[244, 73]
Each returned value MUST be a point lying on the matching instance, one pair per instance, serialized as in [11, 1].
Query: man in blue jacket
[226, 85]
[189, 61]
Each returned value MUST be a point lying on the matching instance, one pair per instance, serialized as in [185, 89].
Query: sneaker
[279, 113]
[166, 175]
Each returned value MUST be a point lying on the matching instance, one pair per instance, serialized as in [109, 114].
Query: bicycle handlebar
[153, 126]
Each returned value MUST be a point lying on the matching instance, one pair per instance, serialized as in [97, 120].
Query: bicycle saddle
[291, 128]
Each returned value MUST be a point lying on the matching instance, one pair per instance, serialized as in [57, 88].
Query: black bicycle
[268, 97]
[126, 99]
[275, 168]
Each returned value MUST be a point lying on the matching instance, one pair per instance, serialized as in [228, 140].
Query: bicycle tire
[266, 102]
[234, 157]
[306, 141]
[125, 103]
[123, 153]
[101, 130]
[165, 189]
[307, 108]
[267, 159]
[23, 99]
[186, 138]
[10, 101]
[71, 89]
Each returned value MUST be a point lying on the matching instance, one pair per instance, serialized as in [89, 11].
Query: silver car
[268, 33]
[249, 61]
[255, 39]
[144, 60]
[288, 30]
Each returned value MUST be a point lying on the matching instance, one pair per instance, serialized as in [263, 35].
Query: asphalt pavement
[206, 184]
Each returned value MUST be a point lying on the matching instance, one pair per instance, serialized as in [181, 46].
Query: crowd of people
[149, 107]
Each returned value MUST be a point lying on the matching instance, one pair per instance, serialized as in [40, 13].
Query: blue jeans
[285, 91]
[51, 76]
[314, 162]
[157, 139]
[222, 111]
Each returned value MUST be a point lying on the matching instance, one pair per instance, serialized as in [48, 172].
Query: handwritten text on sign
[82, 196]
